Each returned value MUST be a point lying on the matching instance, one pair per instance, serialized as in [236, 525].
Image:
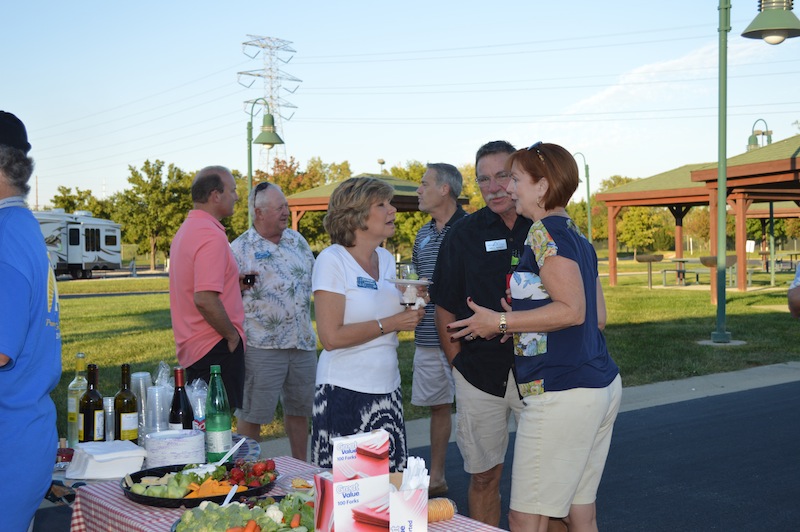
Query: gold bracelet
[380, 325]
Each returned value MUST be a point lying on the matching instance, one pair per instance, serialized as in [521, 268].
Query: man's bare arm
[210, 307]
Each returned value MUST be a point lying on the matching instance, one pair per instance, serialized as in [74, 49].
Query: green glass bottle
[126, 409]
[219, 438]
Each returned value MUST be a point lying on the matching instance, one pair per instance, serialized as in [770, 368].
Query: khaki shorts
[288, 374]
[561, 448]
[432, 383]
[482, 423]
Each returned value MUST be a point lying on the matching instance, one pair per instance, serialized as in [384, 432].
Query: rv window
[74, 237]
[92, 239]
[111, 240]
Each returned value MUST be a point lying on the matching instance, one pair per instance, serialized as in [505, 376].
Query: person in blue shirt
[30, 339]
[570, 386]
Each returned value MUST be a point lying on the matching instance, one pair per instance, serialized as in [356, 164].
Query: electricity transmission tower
[273, 54]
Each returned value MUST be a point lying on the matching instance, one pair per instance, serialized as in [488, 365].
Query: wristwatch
[503, 325]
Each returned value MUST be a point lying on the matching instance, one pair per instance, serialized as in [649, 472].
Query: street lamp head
[774, 23]
[752, 142]
[268, 136]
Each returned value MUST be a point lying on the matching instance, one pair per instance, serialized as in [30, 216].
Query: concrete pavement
[633, 398]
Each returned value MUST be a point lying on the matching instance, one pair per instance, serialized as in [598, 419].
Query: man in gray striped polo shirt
[433, 381]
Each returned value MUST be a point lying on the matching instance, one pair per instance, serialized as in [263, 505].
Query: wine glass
[249, 271]
[408, 271]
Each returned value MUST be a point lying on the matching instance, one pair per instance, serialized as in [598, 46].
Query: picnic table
[103, 507]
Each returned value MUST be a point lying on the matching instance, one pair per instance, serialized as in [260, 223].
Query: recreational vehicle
[79, 243]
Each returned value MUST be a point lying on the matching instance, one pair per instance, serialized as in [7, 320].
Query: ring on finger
[470, 337]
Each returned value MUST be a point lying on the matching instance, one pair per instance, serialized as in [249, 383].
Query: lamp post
[588, 197]
[752, 141]
[753, 144]
[267, 137]
[774, 23]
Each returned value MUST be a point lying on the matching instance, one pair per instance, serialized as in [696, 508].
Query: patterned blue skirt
[342, 412]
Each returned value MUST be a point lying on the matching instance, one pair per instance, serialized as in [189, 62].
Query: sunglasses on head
[536, 147]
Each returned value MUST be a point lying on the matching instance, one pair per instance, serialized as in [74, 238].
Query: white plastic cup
[140, 381]
[157, 417]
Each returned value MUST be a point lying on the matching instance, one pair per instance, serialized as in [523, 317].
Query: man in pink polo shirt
[205, 287]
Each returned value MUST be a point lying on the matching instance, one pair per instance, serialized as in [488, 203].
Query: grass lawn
[652, 334]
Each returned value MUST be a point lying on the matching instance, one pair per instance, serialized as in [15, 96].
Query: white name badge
[496, 245]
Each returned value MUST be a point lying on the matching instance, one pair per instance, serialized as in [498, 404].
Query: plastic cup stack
[140, 381]
[157, 411]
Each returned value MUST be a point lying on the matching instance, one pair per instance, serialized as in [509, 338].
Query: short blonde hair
[349, 205]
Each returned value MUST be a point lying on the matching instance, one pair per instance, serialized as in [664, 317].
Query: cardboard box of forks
[359, 494]
[408, 510]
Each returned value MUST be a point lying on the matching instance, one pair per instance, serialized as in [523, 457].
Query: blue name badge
[263, 255]
[366, 282]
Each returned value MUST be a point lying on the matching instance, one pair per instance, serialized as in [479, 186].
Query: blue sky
[104, 85]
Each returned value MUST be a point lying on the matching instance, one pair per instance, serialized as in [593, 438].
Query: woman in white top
[358, 315]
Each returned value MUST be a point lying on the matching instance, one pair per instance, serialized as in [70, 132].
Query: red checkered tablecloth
[102, 507]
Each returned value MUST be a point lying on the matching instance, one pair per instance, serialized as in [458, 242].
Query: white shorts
[432, 383]
[482, 423]
[561, 448]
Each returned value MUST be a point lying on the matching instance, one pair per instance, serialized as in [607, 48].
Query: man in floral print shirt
[281, 356]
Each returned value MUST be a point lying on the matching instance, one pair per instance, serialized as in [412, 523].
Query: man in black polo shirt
[474, 259]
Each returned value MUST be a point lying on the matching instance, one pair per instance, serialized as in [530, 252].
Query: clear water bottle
[75, 390]
[219, 438]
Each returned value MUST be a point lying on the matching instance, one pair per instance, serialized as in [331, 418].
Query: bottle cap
[215, 369]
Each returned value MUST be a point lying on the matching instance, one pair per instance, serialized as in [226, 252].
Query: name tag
[367, 282]
[424, 242]
[263, 255]
[496, 245]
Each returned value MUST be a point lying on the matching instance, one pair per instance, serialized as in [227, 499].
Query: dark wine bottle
[91, 415]
[181, 415]
[126, 409]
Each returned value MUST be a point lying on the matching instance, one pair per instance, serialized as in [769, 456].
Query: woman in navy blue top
[568, 381]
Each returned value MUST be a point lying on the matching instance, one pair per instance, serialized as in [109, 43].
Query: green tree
[792, 227]
[599, 209]
[638, 228]
[70, 202]
[577, 211]
[154, 207]
[697, 225]
[407, 223]
[471, 189]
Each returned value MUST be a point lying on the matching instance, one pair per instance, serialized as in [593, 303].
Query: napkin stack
[105, 459]
[409, 505]
[415, 475]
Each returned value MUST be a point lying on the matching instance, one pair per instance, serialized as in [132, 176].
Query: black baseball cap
[12, 132]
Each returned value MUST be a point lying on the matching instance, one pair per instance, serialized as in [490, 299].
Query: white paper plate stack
[172, 447]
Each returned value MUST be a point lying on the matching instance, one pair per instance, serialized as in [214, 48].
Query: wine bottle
[91, 416]
[126, 409]
[181, 415]
[219, 438]
[74, 392]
